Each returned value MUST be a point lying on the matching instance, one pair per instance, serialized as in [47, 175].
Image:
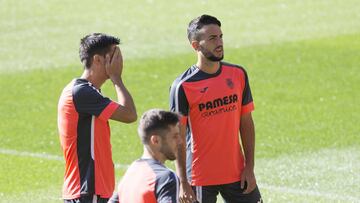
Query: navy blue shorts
[87, 199]
[231, 193]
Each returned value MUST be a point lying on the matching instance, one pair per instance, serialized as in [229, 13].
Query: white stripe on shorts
[199, 193]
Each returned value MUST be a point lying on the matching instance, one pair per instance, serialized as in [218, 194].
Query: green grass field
[302, 58]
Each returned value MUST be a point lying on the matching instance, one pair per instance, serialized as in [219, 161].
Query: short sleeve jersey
[147, 181]
[212, 105]
[83, 114]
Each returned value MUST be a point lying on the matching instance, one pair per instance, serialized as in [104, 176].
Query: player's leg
[206, 194]
[233, 193]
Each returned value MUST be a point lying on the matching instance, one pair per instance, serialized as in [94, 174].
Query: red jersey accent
[67, 123]
[104, 166]
[213, 104]
[247, 108]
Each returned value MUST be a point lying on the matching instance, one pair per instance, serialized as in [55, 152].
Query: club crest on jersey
[203, 90]
[230, 83]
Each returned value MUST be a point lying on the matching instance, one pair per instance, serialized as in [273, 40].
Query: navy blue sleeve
[178, 100]
[166, 188]
[247, 96]
[89, 100]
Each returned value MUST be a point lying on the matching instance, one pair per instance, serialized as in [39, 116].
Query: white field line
[288, 190]
[31, 154]
[45, 156]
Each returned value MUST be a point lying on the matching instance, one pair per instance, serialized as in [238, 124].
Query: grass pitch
[301, 57]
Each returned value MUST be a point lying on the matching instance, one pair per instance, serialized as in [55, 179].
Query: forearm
[180, 162]
[123, 95]
[124, 98]
[247, 131]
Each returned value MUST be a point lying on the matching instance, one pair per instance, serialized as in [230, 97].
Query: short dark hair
[156, 121]
[95, 43]
[196, 24]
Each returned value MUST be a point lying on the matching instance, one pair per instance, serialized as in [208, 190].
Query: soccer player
[83, 114]
[215, 99]
[147, 180]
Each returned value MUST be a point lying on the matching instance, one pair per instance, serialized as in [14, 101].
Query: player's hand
[186, 194]
[248, 176]
[114, 63]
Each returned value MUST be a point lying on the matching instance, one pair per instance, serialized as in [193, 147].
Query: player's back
[148, 181]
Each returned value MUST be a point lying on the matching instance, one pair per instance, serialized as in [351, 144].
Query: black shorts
[87, 199]
[231, 193]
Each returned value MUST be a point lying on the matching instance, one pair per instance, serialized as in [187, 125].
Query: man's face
[211, 42]
[170, 142]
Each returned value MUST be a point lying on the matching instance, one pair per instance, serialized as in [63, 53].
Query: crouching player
[147, 179]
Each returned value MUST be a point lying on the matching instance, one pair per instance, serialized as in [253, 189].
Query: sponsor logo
[221, 110]
[218, 102]
[219, 106]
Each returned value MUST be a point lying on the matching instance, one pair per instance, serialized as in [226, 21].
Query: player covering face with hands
[83, 114]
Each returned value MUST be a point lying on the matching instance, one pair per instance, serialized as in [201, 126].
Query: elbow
[131, 118]
[125, 115]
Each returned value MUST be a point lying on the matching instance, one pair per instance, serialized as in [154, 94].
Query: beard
[167, 152]
[210, 56]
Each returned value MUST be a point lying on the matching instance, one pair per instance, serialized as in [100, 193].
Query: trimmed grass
[45, 34]
[301, 57]
[305, 95]
[300, 91]
[327, 175]
[26, 175]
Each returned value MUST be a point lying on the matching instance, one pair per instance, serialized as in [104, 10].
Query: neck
[90, 76]
[151, 154]
[207, 66]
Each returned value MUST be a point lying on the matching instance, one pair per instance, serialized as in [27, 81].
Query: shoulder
[165, 176]
[233, 66]
[186, 75]
[83, 88]
[83, 85]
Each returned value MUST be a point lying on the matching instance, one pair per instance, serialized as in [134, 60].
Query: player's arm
[179, 103]
[126, 112]
[186, 194]
[247, 132]
[180, 162]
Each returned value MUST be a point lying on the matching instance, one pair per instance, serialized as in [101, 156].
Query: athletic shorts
[231, 193]
[87, 199]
